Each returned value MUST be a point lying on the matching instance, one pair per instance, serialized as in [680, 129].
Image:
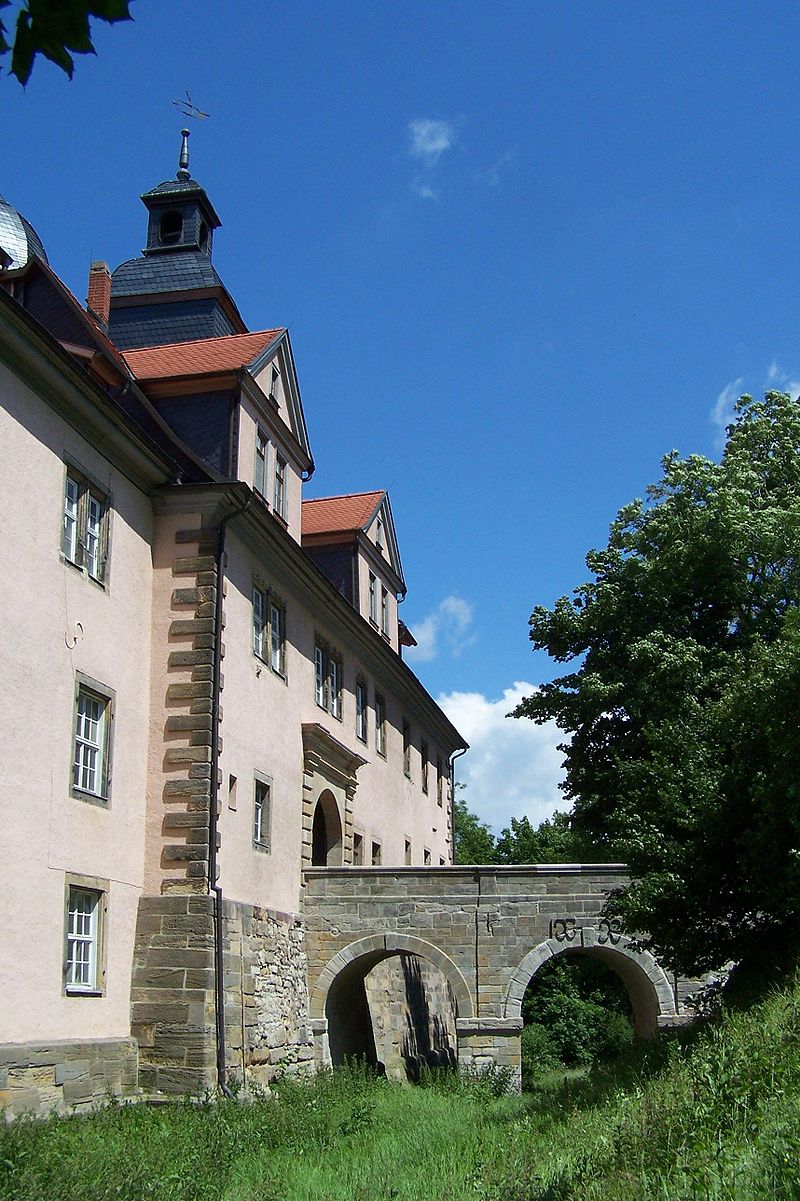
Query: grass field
[713, 1117]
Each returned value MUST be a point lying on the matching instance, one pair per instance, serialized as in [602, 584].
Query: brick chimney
[98, 301]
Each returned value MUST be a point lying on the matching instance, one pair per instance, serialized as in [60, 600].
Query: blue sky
[523, 251]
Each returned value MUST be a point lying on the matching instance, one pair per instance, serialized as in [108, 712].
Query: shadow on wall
[428, 1040]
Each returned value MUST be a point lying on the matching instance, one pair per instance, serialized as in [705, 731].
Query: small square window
[358, 850]
[262, 805]
[426, 857]
[91, 747]
[407, 855]
[376, 854]
[82, 970]
[84, 539]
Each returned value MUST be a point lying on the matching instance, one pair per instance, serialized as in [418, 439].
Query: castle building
[204, 673]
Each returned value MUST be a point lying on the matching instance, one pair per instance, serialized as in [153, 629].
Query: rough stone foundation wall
[266, 998]
[64, 1076]
[413, 1014]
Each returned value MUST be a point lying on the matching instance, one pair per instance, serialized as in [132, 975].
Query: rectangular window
[328, 680]
[279, 495]
[384, 610]
[261, 815]
[406, 748]
[376, 854]
[358, 850]
[424, 766]
[83, 940]
[379, 534]
[407, 857]
[426, 857]
[373, 599]
[380, 724]
[361, 710]
[84, 539]
[260, 471]
[269, 630]
[277, 638]
[90, 758]
[439, 781]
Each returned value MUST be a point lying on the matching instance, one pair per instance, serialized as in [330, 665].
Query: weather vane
[190, 110]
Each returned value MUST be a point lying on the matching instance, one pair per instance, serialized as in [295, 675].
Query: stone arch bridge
[483, 932]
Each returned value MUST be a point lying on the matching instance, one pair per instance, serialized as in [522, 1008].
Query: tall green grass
[711, 1117]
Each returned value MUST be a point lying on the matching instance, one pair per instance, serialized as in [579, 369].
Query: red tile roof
[207, 356]
[340, 514]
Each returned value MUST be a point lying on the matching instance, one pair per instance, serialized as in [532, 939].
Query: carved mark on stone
[492, 919]
[609, 930]
[563, 929]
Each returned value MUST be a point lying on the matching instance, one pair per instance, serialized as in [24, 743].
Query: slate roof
[340, 514]
[178, 271]
[207, 356]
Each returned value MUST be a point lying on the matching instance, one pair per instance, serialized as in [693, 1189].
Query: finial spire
[183, 161]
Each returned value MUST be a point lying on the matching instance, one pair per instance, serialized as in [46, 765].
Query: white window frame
[380, 725]
[373, 599]
[85, 524]
[269, 629]
[376, 853]
[279, 487]
[91, 741]
[261, 468]
[328, 679]
[362, 708]
[423, 753]
[358, 848]
[262, 813]
[85, 918]
[384, 610]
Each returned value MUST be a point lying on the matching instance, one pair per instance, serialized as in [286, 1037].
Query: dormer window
[170, 230]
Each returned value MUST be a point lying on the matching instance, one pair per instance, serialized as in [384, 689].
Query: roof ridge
[201, 341]
[311, 500]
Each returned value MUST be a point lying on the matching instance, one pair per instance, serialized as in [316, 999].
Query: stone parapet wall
[66, 1077]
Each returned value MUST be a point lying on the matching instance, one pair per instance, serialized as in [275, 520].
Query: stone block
[188, 626]
[75, 1070]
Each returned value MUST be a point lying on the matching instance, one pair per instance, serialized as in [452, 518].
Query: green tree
[55, 28]
[554, 840]
[682, 709]
[474, 841]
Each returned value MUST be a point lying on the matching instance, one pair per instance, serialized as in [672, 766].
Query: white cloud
[492, 175]
[513, 767]
[782, 380]
[429, 140]
[447, 628]
[722, 413]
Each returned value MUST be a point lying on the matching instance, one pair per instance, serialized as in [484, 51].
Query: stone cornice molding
[330, 758]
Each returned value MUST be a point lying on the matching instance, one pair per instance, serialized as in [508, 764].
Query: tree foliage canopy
[682, 709]
[54, 28]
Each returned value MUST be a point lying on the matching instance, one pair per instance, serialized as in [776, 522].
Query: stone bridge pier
[485, 931]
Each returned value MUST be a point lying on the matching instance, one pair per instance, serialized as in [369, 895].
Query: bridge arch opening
[651, 996]
[393, 1002]
[326, 832]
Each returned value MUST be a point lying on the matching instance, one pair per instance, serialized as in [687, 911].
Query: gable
[381, 532]
[274, 375]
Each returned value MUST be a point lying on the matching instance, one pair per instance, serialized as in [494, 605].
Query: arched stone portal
[326, 832]
[652, 998]
[340, 1016]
